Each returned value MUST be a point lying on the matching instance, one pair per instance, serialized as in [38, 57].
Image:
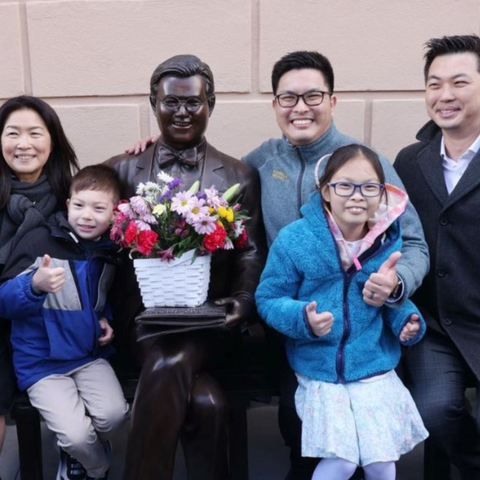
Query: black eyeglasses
[347, 189]
[191, 104]
[312, 98]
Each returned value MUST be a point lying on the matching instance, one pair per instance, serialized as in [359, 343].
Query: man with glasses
[176, 398]
[304, 104]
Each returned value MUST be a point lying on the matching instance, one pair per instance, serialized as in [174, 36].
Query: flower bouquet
[175, 233]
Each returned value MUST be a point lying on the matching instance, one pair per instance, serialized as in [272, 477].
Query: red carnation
[146, 241]
[215, 240]
[241, 241]
[131, 233]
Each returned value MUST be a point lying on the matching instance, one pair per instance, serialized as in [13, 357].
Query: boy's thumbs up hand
[48, 279]
[46, 261]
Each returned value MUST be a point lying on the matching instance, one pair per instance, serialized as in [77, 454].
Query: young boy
[54, 291]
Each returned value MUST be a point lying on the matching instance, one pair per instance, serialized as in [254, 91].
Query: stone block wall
[92, 61]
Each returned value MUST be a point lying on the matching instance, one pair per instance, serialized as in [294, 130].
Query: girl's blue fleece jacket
[303, 266]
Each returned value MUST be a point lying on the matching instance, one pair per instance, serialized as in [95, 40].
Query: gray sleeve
[249, 159]
[415, 261]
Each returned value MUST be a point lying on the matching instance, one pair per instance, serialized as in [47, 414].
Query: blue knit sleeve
[397, 318]
[277, 292]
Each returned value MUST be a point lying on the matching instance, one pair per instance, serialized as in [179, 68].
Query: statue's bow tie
[167, 157]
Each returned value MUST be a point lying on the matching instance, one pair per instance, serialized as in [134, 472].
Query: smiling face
[303, 124]
[26, 144]
[182, 129]
[452, 94]
[352, 213]
[90, 213]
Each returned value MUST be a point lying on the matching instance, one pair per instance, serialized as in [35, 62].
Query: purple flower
[166, 196]
[212, 197]
[197, 208]
[139, 205]
[166, 255]
[126, 210]
[183, 202]
[174, 183]
[204, 224]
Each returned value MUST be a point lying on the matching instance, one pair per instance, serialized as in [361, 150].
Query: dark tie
[167, 157]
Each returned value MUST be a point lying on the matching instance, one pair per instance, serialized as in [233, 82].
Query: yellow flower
[222, 211]
[230, 215]
[159, 209]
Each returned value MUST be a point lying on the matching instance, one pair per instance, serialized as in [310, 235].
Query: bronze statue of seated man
[176, 398]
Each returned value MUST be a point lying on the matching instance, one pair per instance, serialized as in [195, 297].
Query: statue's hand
[238, 310]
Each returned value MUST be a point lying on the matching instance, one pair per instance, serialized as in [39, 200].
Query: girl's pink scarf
[388, 211]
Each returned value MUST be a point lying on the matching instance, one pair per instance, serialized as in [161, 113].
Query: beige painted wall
[92, 60]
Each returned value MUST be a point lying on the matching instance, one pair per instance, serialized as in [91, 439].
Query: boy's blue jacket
[56, 333]
[303, 266]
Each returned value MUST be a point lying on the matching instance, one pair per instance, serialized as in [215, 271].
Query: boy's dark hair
[448, 45]
[62, 160]
[343, 155]
[183, 66]
[300, 60]
[97, 177]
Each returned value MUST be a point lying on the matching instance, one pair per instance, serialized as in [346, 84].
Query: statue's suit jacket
[449, 297]
[233, 272]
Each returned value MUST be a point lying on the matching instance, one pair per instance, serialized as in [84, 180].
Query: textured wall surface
[92, 60]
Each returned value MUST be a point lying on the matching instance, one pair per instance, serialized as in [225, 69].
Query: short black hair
[97, 177]
[300, 60]
[183, 66]
[448, 45]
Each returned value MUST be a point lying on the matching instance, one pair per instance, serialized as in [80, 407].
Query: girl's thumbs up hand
[320, 323]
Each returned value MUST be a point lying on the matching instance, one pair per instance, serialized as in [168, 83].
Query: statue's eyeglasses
[347, 189]
[191, 104]
[312, 98]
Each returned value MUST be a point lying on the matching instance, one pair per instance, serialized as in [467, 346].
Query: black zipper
[348, 275]
[300, 178]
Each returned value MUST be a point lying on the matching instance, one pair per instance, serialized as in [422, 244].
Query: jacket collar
[312, 152]
[213, 170]
[61, 229]
[430, 163]
[387, 213]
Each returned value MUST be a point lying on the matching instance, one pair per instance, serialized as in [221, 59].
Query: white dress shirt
[454, 169]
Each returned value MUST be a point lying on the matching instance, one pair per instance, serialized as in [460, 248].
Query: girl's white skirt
[373, 420]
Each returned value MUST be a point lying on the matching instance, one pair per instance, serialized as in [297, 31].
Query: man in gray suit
[442, 176]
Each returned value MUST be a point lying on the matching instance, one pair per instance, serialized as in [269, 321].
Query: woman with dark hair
[36, 166]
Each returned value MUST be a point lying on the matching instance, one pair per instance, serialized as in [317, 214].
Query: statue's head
[182, 95]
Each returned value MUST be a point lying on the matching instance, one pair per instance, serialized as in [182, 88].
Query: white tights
[340, 469]
[380, 471]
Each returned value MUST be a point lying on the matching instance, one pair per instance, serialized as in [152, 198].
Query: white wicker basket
[177, 283]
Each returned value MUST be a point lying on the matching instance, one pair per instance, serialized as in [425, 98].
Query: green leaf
[231, 192]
